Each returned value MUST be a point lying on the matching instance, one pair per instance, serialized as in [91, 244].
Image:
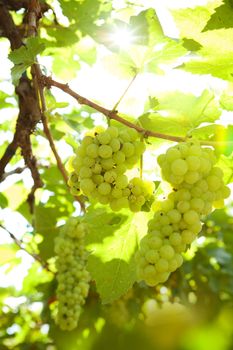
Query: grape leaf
[218, 66]
[25, 56]
[184, 112]
[222, 17]
[226, 164]
[226, 101]
[167, 53]
[45, 224]
[112, 242]
[191, 45]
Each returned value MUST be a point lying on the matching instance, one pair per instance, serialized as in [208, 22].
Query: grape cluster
[72, 276]
[197, 187]
[100, 166]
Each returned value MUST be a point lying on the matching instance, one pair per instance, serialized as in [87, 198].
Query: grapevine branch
[33, 18]
[29, 114]
[113, 114]
[18, 170]
[19, 244]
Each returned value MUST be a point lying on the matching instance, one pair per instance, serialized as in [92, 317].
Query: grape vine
[197, 187]
[100, 169]
[72, 276]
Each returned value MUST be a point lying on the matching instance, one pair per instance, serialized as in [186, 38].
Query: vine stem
[48, 134]
[19, 244]
[113, 114]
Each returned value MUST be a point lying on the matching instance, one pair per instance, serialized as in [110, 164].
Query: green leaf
[3, 201]
[220, 66]
[166, 53]
[184, 112]
[7, 253]
[25, 56]
[191, 45]
[226, 164]
[112, 242]
[3, 102]
[226, 101]
[146, 28]
[222, 17]
[157, 123]
[45, 224]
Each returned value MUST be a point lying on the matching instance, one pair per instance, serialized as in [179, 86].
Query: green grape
[131, 161]
[119, 157]
[126, 192]
[98, 179]
[174, 216]
[104, 138]
[152, 256]
[167, 205]
[193, 163]
[214, 183]
[183, 148]
[110, 176]
[104, 188]
[155, 242]
[92, 150]
[113, 132]
[133, 134]
[134, 207]
[120, 169]
[121, 181]
[197, 204]
[195, 150]
[162, 265]
[117, 193]
[167, 252]
[88, 161]
[139, 147]
[226, 192]
[107, 164]
[187, 237]
[196, 228]
[96, 169]
[128, 149]
[115, 144]
[105, 151]
[183, 206]
[103, 199]
[172, 154]
[85, 172]
[175, 239]
[124, 135]
[81, 151]
[183, 195]
[179, 167]
[87, 140]
[87, 186]
[161, 159]
[191, 177]
[166, 230]
[191, 217]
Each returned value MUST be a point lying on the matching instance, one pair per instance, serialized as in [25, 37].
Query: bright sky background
[99, 83]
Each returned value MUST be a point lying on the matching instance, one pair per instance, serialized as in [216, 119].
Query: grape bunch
[197, 187]
[72, 276]
[101, 163]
